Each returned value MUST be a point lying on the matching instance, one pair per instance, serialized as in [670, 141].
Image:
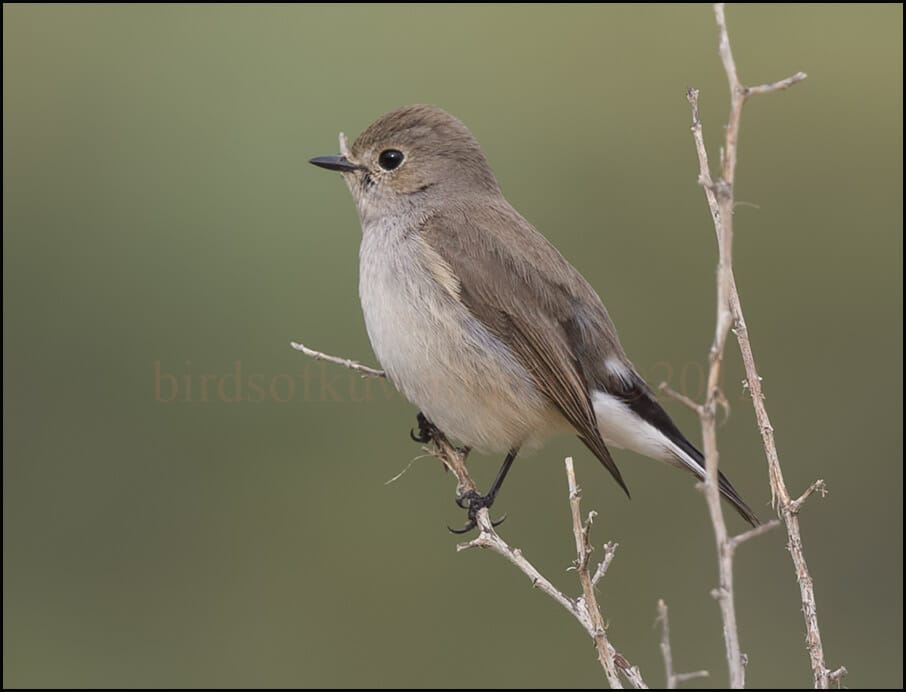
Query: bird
[478, 320]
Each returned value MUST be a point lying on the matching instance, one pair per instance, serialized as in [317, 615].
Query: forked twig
[720, 197]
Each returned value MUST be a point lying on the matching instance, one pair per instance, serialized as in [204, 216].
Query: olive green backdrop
[187, 501]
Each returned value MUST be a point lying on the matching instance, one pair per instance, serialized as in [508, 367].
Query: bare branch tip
[685, 677]
[776, 86]
[604, 565]
[819, 486]
[682, 398]
[469, 544]
[754, 533]
[364, 370]
[837, 675]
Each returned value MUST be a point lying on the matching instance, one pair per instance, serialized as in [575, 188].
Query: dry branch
[674, 679]
[584, 607]
[720, 197]
[345, 362]
[720, 207]
[589, 601]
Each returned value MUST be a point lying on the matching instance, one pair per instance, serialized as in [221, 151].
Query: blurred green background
[162, 229]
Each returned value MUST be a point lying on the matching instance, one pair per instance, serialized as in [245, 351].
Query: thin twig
[585, 607]
[673, 679]
[816, 487]
[682, 398]
[488, 538]
[776, 86]
[610, 549]
[721, 208]
[345, 362]
[583, 551]
[736, 541]
[837, 675]
[778, 486]
[787, 509]
[720, 196]
[694, 675]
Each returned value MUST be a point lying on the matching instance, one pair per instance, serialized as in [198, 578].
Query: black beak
[334, 163]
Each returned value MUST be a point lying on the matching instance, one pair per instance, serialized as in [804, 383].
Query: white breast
[439, 356]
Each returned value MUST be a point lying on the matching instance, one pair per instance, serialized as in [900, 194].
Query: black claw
[427, 431]
[465, 529]
[465, 501]
[472, 524]
[473, 501]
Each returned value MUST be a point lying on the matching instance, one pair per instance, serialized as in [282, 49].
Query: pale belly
[442, 359]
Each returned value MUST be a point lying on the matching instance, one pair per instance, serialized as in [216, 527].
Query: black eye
[390, 159]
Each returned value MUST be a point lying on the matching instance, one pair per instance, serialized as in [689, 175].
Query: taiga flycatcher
[477, 319]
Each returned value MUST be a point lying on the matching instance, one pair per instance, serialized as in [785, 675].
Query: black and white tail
[633, 419]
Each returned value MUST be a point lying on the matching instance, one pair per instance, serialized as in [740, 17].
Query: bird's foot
[474, 501]
[427, 431]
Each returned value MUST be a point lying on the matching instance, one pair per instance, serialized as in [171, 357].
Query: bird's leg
[473, 501]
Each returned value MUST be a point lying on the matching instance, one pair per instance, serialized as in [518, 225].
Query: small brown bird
[477, 319]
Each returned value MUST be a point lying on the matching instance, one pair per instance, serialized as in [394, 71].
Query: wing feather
[517, 284]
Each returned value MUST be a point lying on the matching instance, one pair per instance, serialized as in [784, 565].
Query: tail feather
[730, 494]
[644, 405]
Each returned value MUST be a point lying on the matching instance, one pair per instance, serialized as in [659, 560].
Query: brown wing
[517, 284]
